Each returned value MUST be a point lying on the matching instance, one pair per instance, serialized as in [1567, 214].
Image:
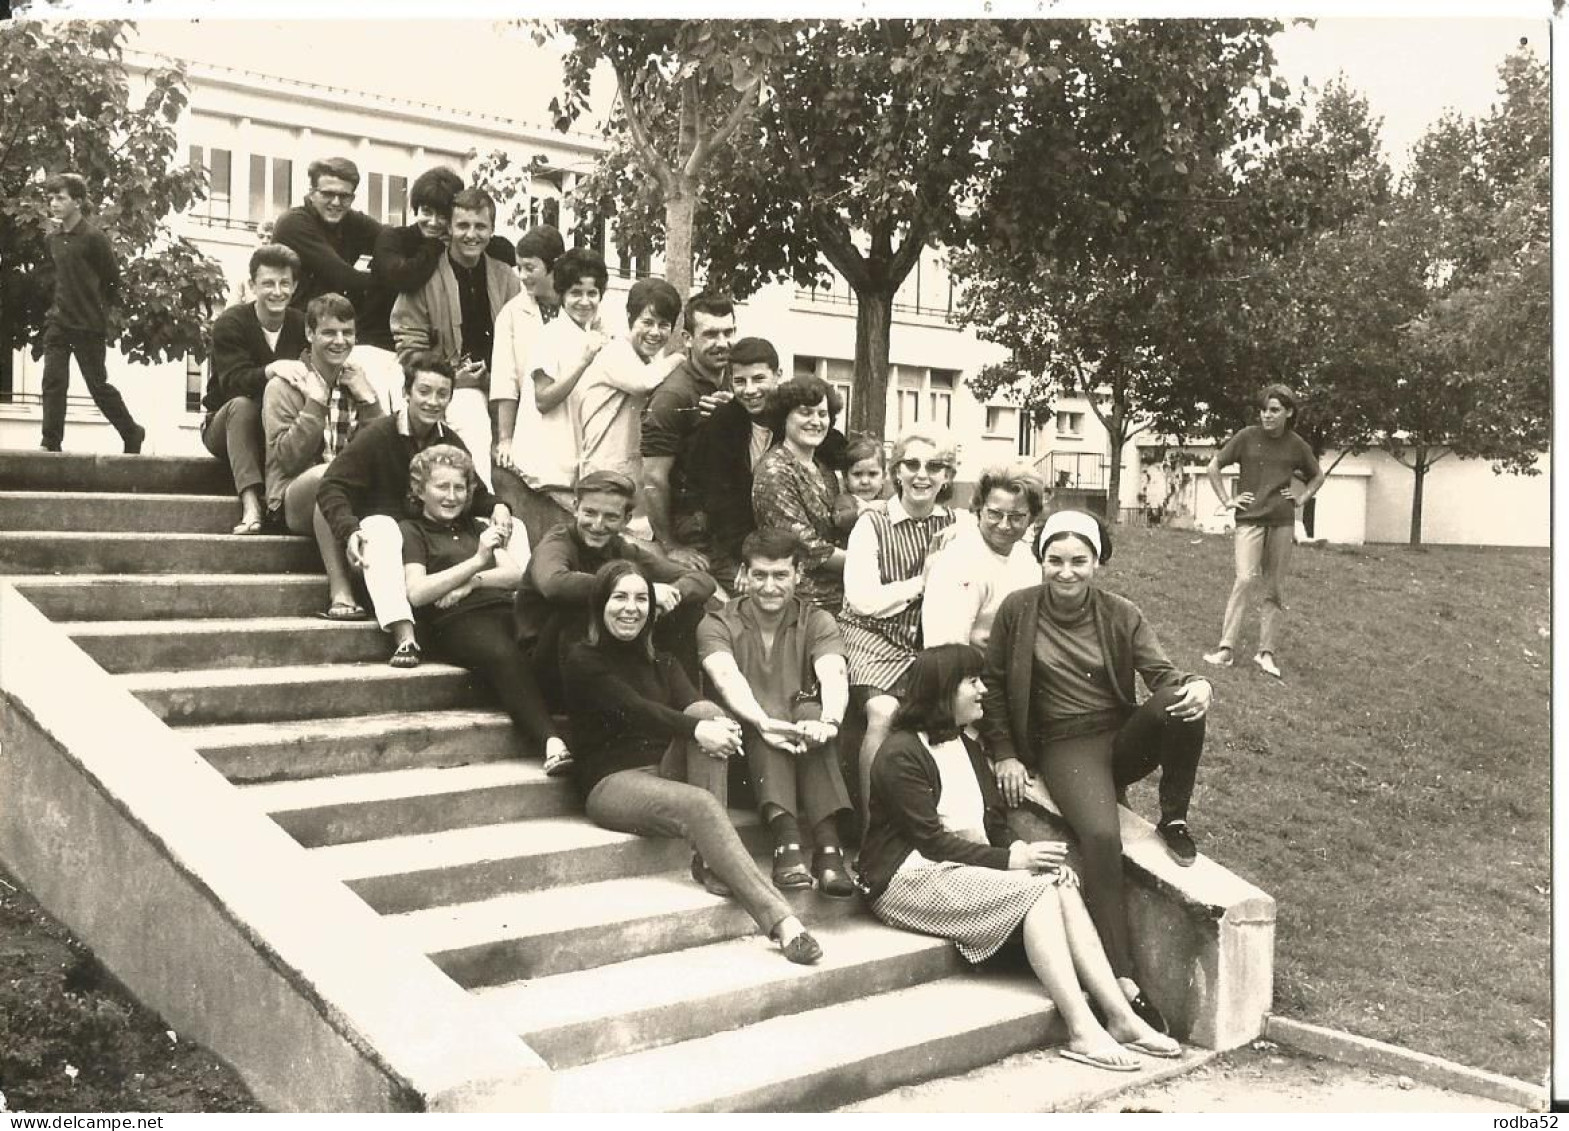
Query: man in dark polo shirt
[670, 422]
[335, 245]
[86, 285]
[778, 664]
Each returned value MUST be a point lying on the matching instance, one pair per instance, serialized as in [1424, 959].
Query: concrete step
[408, 873]
[255, 642]
[403, 803]
[50, 552]
[67, 471]
[1036, 1080]
[310, 748]
[172, 596]
[821, 1058]
[119, 510]
[535, 934]
[255, 695]
[659, 999]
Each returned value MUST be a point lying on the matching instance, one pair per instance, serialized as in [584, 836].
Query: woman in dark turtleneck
[1060, 701]
[641, 733]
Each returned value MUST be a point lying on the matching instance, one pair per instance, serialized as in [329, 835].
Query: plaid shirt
[343, 417]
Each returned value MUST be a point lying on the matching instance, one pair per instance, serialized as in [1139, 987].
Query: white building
[256, 134]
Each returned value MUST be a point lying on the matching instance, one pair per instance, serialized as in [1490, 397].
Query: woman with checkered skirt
[938, 860]
[885, 579]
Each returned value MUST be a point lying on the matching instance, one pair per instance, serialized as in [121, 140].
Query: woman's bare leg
[1095, 974]
[1046, 944]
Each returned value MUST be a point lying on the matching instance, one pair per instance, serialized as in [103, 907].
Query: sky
[1410, 69]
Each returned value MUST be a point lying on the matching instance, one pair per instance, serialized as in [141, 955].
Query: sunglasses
[933, 466]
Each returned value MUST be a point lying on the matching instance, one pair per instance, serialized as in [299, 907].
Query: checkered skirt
[978, 908]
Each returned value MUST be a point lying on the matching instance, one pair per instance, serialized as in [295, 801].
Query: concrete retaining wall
[211, 915]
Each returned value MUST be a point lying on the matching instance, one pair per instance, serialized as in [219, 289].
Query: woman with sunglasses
[982, 564]
[1060, 701]
[644, 741]
[885, 569]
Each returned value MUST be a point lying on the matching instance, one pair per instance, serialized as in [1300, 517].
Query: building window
[1026, 432]
[398, 200]
[194, 382]
[218, 164]
[924, 396]
[374, 188]
[282, 185]
[1070, 425]
[257, 207]
[1001, 420]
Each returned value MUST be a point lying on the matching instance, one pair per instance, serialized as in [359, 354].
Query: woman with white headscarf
[1060, 702]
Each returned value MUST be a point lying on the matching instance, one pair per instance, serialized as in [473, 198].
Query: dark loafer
[1178, 841]
[833, 879]
[803, 950]
[790, 872]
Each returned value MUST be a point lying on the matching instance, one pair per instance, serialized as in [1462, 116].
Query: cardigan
[240, 354]
[902, 818]
[431, 318]
[1128, 644]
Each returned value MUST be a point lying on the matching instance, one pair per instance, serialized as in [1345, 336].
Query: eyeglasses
[933, 466]
[1012, 518]
[340, 197]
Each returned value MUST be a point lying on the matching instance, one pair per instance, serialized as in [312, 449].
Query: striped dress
[879, 649]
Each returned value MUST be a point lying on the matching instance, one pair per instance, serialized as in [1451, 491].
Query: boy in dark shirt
[87, 284]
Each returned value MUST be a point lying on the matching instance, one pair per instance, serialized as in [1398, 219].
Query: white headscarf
[1070, 522]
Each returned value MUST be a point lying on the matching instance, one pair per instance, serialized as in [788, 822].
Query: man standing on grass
[86, 286]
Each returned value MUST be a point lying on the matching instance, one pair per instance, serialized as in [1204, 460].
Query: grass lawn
[1393, 793]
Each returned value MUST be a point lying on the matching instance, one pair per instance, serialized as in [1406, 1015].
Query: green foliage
[1099, 250]
[65, 105]
[508, 182]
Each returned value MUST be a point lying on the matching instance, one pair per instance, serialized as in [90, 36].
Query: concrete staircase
[637, 988]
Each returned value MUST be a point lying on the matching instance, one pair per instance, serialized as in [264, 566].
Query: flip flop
[338, 611]
[557, 763]
[252, 526]
[1153, 1050]
[406, 655]
[1095, 1061]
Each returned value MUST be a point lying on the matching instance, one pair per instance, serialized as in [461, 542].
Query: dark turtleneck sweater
[625, 708]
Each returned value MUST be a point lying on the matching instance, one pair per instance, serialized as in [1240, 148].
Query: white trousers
[383, 570]
[469, 416]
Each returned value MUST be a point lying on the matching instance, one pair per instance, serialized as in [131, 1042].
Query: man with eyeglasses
[982, 564]
[335, 245]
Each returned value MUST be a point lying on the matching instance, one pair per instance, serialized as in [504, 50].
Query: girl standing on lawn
[1060, 701]
[1270, 454]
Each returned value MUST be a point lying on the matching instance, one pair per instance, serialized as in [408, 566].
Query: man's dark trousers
[90, 350]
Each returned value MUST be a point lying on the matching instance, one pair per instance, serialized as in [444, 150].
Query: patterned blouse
[786, 495]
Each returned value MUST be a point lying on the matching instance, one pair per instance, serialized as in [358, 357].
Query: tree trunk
[680, 209]
[1115, 441]
[873, 319]
[1419, 468]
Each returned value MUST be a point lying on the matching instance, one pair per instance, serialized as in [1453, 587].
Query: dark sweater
[405, 258]
[240, 354]
[86, 278]
[371, 475]
[625, 708]
[328, 253]
[1128, 644]
[559, 583]
[906, 786]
